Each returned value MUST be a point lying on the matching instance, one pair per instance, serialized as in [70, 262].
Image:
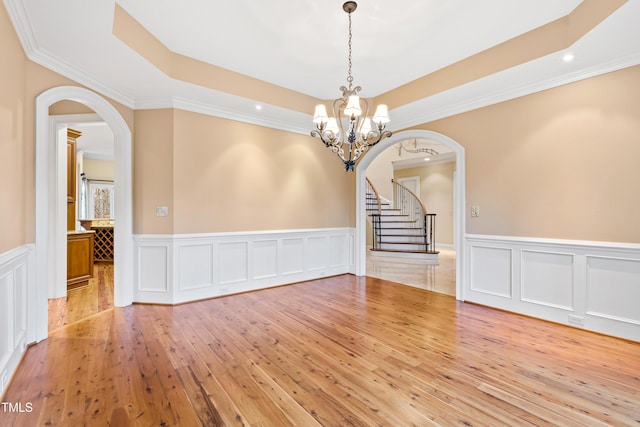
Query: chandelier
[349, 133]
[400, 146]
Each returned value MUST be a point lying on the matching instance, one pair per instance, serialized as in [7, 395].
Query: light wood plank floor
[84, 302]
[341, 351]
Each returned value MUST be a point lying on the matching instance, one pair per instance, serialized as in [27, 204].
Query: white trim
[270, 116]
[17, 328]
[458, 200]
[456, 100]
[559, 243]
[589, 284]
[172, 269]
[45, 190]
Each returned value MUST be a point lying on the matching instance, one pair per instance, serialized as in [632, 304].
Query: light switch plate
[162, 211]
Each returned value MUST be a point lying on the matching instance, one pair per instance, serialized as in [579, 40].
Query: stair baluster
[408, 228]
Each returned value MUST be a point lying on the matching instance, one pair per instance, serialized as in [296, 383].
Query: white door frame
[458, 199]
[49, 242]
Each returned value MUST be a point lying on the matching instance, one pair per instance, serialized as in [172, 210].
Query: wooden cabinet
[79, 258]
[72, 135]
[103, 239]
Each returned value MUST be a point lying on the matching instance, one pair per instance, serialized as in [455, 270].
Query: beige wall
[380, 172]
[69, 107]
[436, 192]
[98, 169]
[13, 147]
[218, 175]
[153, 171]
[562, 163]
[233, 176]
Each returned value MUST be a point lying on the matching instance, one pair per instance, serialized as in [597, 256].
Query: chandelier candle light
[350, 119]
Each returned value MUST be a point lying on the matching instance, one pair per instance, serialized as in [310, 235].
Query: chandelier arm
[338, 107]
[365, 114]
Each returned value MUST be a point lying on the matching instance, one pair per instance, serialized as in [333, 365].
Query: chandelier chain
[350, 77]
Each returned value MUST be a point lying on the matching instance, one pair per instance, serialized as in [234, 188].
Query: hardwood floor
[341, 351]
[84, 302]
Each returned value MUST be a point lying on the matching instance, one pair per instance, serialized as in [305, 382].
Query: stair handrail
[417, 213]
[372, 189]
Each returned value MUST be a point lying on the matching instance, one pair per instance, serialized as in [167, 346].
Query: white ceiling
[302, 45]
[96, 141]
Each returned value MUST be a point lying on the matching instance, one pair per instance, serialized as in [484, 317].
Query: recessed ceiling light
[258, 107]
[568, 57]
[426, 159]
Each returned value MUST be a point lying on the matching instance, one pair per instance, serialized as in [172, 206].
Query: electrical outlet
[475, 211]
[162, 211]
[576, 320]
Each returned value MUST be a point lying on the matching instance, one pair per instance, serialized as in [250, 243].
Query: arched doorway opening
[48, 242]
[459, 199]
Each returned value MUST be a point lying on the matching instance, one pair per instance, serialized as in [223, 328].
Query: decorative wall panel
[591, 285]
[293, 256]
[547, 278]
[15, 267]
[213, 264]
[196, 263]
[153, 268]
[491, 271]
[233, 262]
[265, 259]
[607, 280]
[317, 253]
[6, 317]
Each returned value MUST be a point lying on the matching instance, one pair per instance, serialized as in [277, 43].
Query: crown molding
[22, 25]
[39, 55]
[52, 62]
[270, 116]
[414, 114]
[286, 120]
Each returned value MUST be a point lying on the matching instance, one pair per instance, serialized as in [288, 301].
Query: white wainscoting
[172, 269]
[16, 270]
[593, 285]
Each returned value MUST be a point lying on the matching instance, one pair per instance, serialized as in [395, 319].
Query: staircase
[404, 231]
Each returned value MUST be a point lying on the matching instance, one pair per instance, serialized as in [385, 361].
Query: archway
[459, 199]
[46, 218]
